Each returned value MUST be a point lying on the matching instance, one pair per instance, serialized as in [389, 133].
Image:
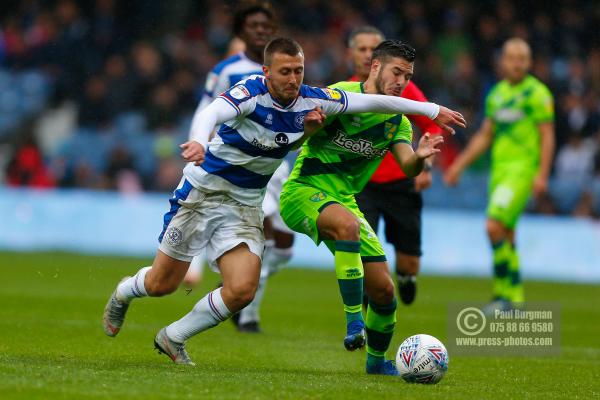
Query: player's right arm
[442, 116]
[212, 116]
[235, 102]
[478, 145]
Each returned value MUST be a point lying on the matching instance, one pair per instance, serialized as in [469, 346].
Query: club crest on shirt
[269, 119]
[239, 92]
[174, 236]
[281, 139]
[299, 120]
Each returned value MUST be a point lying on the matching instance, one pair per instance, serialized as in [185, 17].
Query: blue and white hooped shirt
[247, 150]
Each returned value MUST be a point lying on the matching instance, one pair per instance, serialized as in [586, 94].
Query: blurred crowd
[127, 76]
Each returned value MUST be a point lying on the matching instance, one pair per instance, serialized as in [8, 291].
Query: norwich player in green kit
[519, 126]
[318, 199]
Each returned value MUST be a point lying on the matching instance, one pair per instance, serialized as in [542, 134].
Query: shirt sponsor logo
[508, 115]
[360, 146]
[261, 146]
[281, 139]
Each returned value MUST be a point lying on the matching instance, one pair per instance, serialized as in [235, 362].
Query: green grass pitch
[52, 345]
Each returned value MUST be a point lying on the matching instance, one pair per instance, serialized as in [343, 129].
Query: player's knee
[384, 293]
[496, 231]
[348, 229]
[243, 293]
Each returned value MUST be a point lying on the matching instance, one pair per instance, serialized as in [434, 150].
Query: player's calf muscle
[165, 276]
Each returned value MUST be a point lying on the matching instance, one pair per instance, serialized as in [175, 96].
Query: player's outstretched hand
[447, 117]
[313, 121]
[428, 145]
[192, 151]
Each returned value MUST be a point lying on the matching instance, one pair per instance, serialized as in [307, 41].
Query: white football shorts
[214, 221]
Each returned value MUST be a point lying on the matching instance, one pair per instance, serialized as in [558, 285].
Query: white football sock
[133, 287]
[208, 312]
[277, 258]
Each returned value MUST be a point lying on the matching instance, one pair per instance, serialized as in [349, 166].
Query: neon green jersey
[341, 157]
[516, 112]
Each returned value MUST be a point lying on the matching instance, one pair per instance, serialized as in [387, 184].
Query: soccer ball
[422, 359]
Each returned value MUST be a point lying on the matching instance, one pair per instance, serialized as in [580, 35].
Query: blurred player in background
[519, 126]
[318, 199]
[390, 193]
[254, 24]
[217, 205]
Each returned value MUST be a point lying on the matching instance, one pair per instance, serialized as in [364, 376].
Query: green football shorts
[301, 205]
[508, 196]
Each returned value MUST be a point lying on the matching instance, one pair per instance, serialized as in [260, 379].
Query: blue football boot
[384, 368]
[356, 337]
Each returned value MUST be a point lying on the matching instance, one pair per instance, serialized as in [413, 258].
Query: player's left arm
[412, 162]
[343, 102]
[377, 103]
[547, 144]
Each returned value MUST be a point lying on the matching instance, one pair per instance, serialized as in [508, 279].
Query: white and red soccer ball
[422, 359]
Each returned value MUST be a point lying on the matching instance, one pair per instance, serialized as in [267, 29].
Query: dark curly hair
[246, 8]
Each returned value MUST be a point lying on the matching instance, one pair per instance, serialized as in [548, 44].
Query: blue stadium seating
[565, 194]
[22, 95]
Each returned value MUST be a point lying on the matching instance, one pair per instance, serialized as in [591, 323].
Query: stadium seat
[470, 193]
[565, 194]
[130, 123]
[9, 101]
[595, 191]
[142, 149]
